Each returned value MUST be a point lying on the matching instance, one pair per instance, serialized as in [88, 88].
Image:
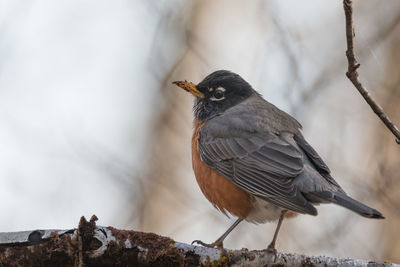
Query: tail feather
[345, 201]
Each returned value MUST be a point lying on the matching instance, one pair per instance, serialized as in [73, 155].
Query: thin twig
[352, 73]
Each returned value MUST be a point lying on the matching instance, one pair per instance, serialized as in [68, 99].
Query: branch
[352, 73]
[92, 245]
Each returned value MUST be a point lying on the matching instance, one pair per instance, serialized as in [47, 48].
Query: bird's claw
[217, 244]
[199, 242]
[273, 251]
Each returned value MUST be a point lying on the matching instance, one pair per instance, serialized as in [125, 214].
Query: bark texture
[91, 245]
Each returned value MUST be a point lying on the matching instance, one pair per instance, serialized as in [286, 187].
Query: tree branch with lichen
[92, 245]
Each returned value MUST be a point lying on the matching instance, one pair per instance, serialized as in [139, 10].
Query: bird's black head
[218, 91]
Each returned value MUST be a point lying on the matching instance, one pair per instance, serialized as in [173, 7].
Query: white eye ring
[221, 91]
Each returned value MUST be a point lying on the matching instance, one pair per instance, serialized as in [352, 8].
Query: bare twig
[352, 73]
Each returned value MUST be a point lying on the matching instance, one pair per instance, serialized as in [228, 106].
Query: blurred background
[91, 124]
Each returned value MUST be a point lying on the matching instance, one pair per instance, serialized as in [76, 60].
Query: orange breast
[221, 192]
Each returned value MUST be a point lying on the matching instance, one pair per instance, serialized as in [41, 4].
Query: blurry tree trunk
[169, 162]
[388, 153]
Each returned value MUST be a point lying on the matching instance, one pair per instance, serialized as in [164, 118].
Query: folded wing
[264, 167]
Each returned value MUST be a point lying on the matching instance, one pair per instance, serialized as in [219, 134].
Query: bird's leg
[271, 246]
[219, 242]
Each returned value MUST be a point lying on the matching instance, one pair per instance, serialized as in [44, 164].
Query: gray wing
[316, 160]
[264, 167]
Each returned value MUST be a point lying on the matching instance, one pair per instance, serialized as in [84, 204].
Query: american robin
[251, 160]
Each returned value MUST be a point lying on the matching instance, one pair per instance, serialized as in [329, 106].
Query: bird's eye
[218, 95]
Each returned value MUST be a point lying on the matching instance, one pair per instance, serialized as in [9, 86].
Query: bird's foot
[217, 244]
[272, 250]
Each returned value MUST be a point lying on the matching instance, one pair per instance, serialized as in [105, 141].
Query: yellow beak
[190, 87]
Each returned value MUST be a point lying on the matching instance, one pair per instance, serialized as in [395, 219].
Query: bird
[251, 160]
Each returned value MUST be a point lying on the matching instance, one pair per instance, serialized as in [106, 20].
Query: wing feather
[319, 164]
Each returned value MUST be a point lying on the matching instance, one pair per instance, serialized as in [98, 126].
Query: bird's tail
[347, 202]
